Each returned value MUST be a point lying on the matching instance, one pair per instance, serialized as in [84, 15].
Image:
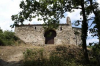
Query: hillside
[13, 55]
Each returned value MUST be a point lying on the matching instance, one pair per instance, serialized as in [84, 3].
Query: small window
[60, 28]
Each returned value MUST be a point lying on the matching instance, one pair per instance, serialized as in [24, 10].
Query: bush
[95, 55]
[1, 31]
[10, 35]
[7, 38]
[33, 57]
[60, 57]
[1, 38]
[1, 42]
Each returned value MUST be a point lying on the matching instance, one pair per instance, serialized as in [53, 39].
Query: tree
[94, 9]
[82, 3]
[33, 8]
[84, 31]
[96, 29]
[51, 11]
[1, 31]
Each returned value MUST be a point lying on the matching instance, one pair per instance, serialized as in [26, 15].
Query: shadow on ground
[13, 63]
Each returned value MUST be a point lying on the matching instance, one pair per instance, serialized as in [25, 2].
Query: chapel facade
[36, 34]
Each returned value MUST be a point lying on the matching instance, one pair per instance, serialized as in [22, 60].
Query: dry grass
[15, 53]
[6, 51]
[55, 54]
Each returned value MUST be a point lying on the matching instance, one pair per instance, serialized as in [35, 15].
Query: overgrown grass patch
[61, 55]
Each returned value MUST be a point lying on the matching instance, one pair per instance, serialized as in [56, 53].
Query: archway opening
[49, 36]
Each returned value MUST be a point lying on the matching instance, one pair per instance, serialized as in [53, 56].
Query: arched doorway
[49, 36]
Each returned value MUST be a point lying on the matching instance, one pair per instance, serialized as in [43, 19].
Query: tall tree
[82, 3]
[94, 8]
[84, 31]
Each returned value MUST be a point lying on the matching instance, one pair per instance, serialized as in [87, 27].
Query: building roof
[37, 24]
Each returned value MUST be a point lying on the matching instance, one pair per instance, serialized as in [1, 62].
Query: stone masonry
[34, 34]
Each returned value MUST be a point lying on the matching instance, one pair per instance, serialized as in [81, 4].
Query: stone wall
[34, 34]
[78, 35]
[31, 34]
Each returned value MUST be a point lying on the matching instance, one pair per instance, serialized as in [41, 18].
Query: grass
[90, 47]
[60, 55]
[53, 55]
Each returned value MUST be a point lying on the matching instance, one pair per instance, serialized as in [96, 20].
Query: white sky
[11, 7]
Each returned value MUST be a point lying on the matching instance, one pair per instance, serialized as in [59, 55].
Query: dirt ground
[13, 55]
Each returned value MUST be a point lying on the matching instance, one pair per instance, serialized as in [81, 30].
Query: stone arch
[49, 36]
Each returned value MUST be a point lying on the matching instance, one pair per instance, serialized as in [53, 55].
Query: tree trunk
[84, 32]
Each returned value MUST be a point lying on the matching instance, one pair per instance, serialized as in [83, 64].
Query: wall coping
[37, 25]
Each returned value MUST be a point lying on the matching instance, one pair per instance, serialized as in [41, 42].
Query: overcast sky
[11, 7]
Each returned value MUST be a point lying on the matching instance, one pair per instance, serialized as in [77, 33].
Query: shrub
[59, 57]
[1, 42]
[95, 55]
[1, 38]
[33, 57]
[7, 38]
[1, 31]
[10, 35]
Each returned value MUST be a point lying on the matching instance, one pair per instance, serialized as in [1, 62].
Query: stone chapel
[35, 34]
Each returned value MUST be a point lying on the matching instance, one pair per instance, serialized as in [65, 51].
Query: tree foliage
[7, 38]
[94, 9]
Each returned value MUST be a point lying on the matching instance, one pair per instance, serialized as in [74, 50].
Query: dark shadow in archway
[49, 36]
